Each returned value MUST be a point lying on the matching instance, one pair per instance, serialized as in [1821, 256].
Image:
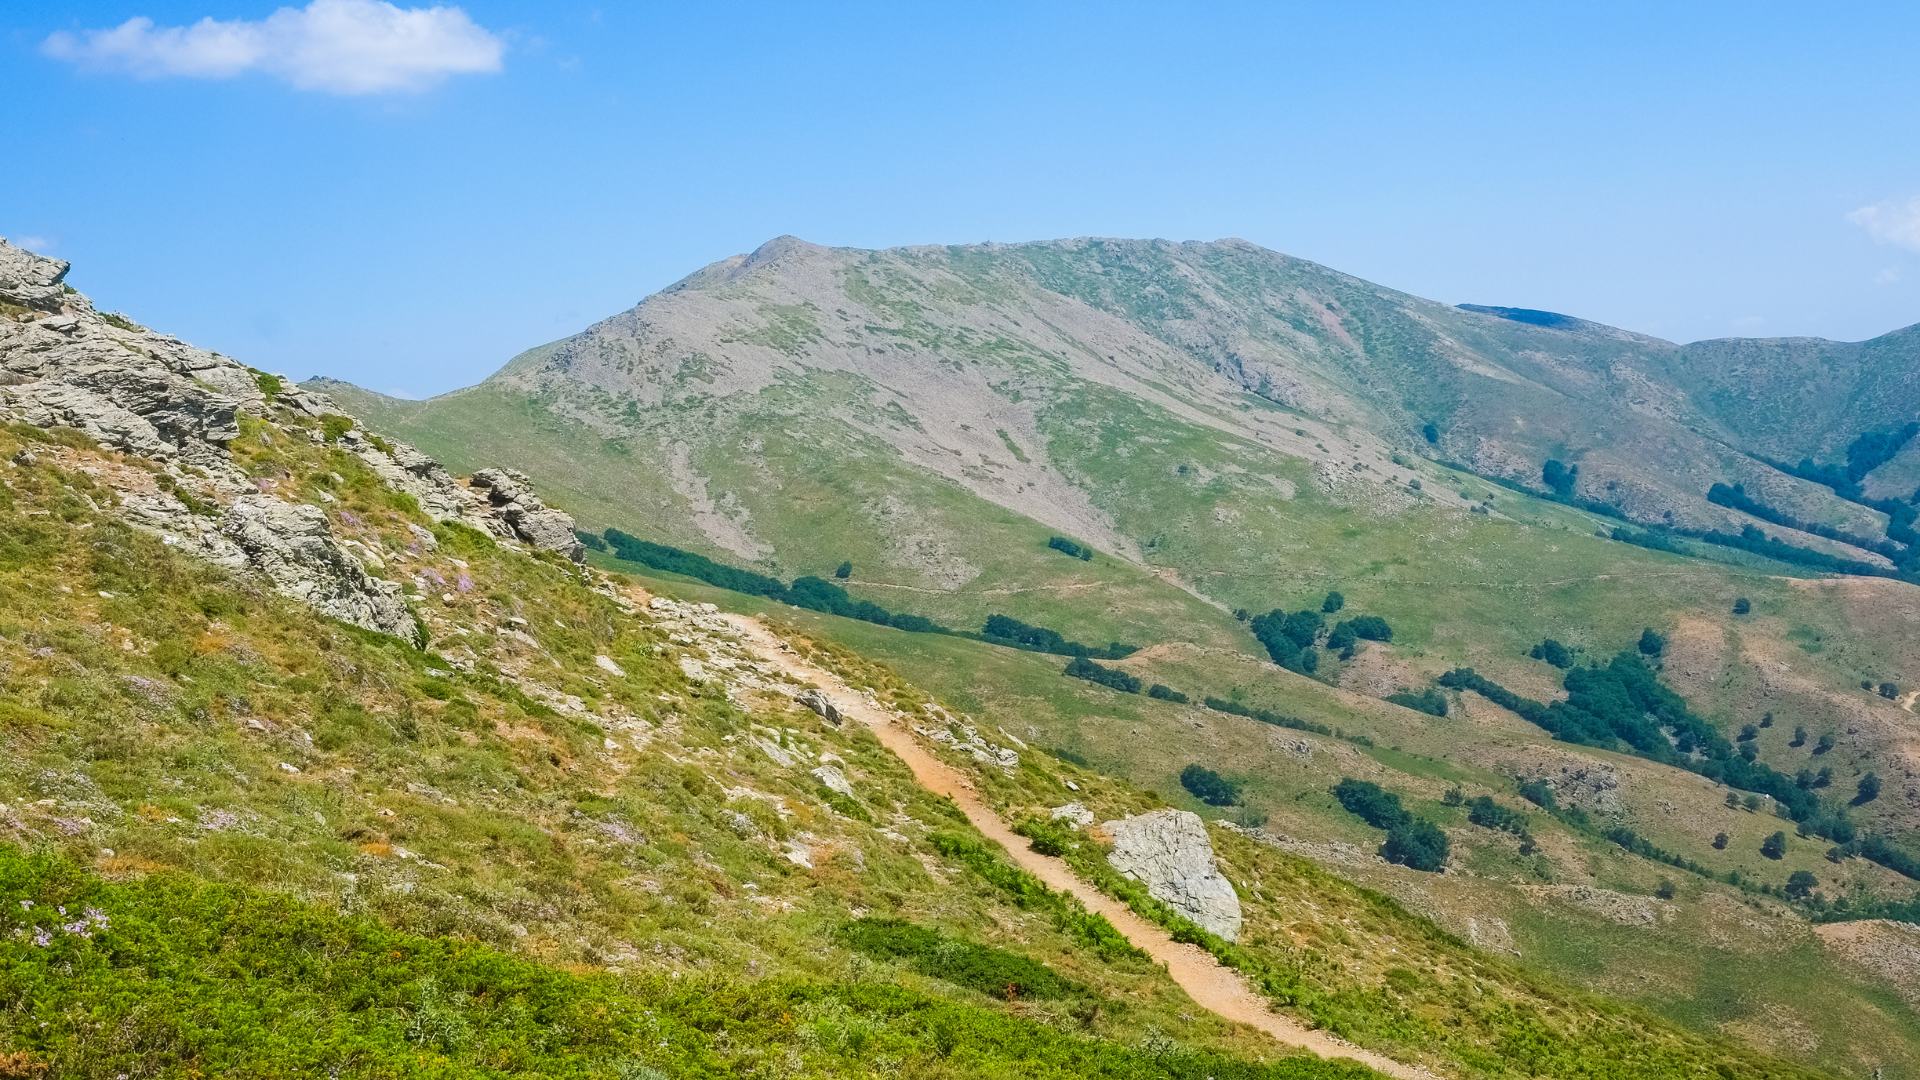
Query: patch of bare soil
[1881, 948]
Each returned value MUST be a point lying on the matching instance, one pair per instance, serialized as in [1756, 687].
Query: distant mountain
[1005, 375]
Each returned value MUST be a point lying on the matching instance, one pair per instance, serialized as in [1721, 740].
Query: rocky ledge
[129, 389]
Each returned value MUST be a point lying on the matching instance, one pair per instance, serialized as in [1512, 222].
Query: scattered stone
[1074, 814]
[816, 699]
[606, 664]
[833, 779]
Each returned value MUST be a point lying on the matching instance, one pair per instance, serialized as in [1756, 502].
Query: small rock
[1074, 814]
[836, 781]
[606, 664]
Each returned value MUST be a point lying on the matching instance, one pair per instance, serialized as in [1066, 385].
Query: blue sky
[409, 213]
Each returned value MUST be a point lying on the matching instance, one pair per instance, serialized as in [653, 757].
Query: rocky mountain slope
[305, 733]
[1232, 431]
[967, 363]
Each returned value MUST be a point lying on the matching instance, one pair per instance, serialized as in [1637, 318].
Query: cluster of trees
[1867, 452]
[1011, 632]
[1266, 716]
[1082, 668]
[1069, 547]
[813, 593]
[592, 541]
[1411, 840]
[1164, 692]
[1484, 812]
[1735, 497]
[1624, 702]
[1209, 786]
[1429, 701]
[1291, 637]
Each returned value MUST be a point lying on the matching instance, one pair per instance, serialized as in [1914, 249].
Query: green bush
[1209, 786]
[995, 972]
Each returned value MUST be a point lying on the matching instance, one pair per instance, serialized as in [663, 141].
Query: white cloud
[1895, 221]
[38, 244]
[1888, 275]
[334, 46]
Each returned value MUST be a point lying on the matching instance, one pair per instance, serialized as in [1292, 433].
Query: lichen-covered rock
[532, 520]
[292, 546]
[1168, 851]
[64, 364]
[30, 280]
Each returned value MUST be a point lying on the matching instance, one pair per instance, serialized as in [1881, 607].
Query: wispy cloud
[1888, 275]
[1895, 221]
[332, 46]
[38, 244]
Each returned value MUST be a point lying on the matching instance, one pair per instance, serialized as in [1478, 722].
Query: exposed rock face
[64, 364]
[818, 701]
[292, 545]
[1074, 814]
[532, 520]
[1168, 851]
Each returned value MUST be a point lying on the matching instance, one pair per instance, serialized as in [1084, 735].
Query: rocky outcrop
[293, 547]
[512, 496]
[64, 364]
[1168, 851]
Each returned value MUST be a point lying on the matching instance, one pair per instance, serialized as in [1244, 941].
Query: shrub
[844, 570]
[994, 972]
[1486, 813]
[1209, 786]
[1068, 547]
[1868, 790]
[1334, 602]
[1741, 606]
[333, 426]
[1429, 701]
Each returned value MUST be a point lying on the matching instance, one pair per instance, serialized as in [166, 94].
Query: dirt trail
[1210, 984]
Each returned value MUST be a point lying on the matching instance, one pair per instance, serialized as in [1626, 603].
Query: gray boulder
[1168, 851]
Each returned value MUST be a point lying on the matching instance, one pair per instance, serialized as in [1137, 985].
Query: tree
[1539, 793]
[1334, 602]
[1749, 732]
[1733, 801]
[1889, 690]
[1719, 841]
[1800, 884]
[1370, 627]
[1652, 643]
[1775, 846]
[844, 570]
[1799, 735]
[1766, 720]
[1209, 786]
[1749, 751]
[1166, 693]
[1825, 744]
[1431, 432]
[1553, 653]
[1559, 477]
[1869, 789]
[1416, 843]
[1082, 668]
[1666, 890]
[1742, 606]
